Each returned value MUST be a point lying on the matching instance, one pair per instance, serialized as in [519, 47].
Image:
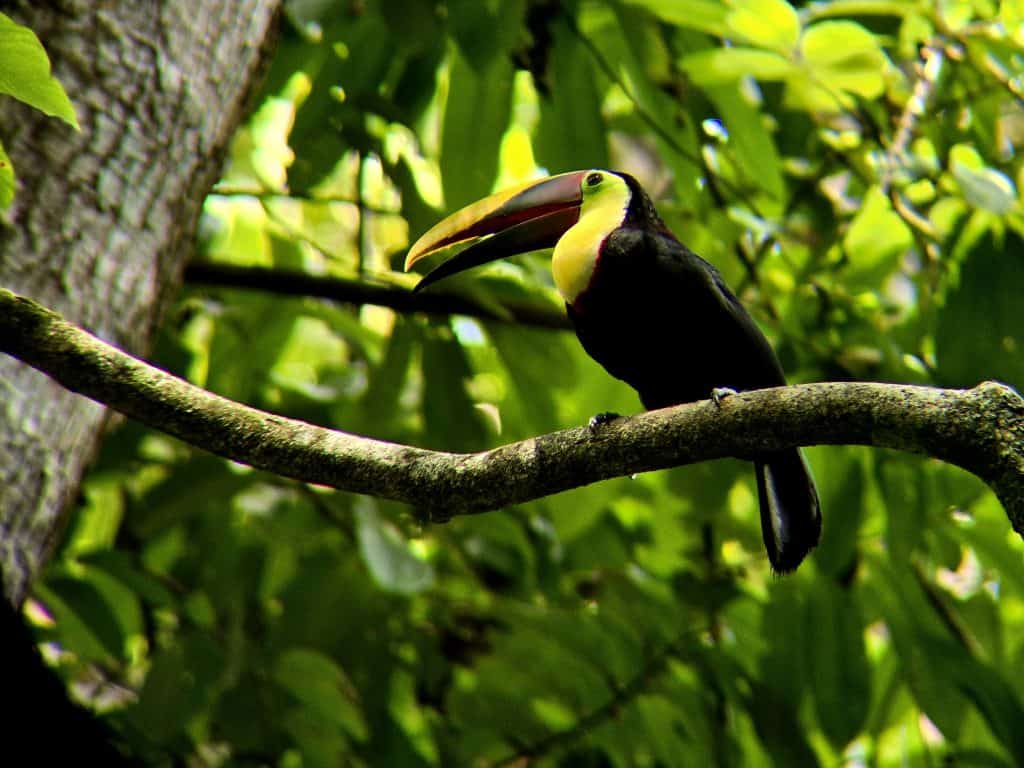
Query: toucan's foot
[598, 421]
[718, 394]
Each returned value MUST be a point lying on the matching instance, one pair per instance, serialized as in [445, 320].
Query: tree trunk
[103, 220]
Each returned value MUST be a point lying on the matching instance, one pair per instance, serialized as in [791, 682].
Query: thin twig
[928, 69]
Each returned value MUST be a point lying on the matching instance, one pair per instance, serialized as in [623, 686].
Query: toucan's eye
[594, 179]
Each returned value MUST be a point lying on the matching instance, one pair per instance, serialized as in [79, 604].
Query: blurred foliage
[849, 166]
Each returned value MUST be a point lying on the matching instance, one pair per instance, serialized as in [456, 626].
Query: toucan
[646, 307]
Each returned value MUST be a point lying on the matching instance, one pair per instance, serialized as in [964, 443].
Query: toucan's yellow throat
[572, 212]
[603, 209]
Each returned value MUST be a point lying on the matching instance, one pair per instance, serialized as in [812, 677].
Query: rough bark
[981, 429]
[103, 220]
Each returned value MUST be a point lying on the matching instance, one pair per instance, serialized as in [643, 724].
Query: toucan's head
[572, 212]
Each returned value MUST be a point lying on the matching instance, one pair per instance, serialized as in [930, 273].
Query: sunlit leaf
[725, 65]
[769, 24]
[25, 72]
[864, 8]
[876, 240]
[706, 15]
[837, 58]
[1011, 14]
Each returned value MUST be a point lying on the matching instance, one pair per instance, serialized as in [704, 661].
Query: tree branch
[295, 283]
[980, 430]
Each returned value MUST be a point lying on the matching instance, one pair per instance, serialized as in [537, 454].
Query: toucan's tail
[790, 513]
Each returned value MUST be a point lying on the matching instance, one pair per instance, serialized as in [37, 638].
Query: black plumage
[646, 307]
[661, 318]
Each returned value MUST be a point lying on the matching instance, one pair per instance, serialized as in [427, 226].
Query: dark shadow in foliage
[41, 723]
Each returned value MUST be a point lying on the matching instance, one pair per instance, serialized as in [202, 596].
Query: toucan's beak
[525, 218]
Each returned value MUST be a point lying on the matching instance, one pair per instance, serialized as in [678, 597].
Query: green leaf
[178, 684]
[122, 567]
[632, 44]
[980, 330]
[451, 418]
[498, 550]
[837, 660]
[379, 412]
[782, 666]
[25, 73]
[997, 547]
[704, 15]
[917, 638]
[876, 240]
[1011, 15]
[778, 726]
[605, 544]
[749, 139]
[85, 612]
[726, 65]
[386, 553]
[902, 484]
[322, 687]
[539, 367]
[897, 8]
[164, 702]
[475, 118]
[986, 188]
[608, 643]
[484, 29]
[346, 69]
[988, 690]
[190, 488]
[571, 133]
[660, 718]
[7, 180]
[843, 55]
[769, 24]
[413, 22]
[837, 58]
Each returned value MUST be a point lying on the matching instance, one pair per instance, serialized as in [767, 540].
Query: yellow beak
[525, 218]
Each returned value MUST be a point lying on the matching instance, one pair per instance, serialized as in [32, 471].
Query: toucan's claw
[599, 420]
[718, 394]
